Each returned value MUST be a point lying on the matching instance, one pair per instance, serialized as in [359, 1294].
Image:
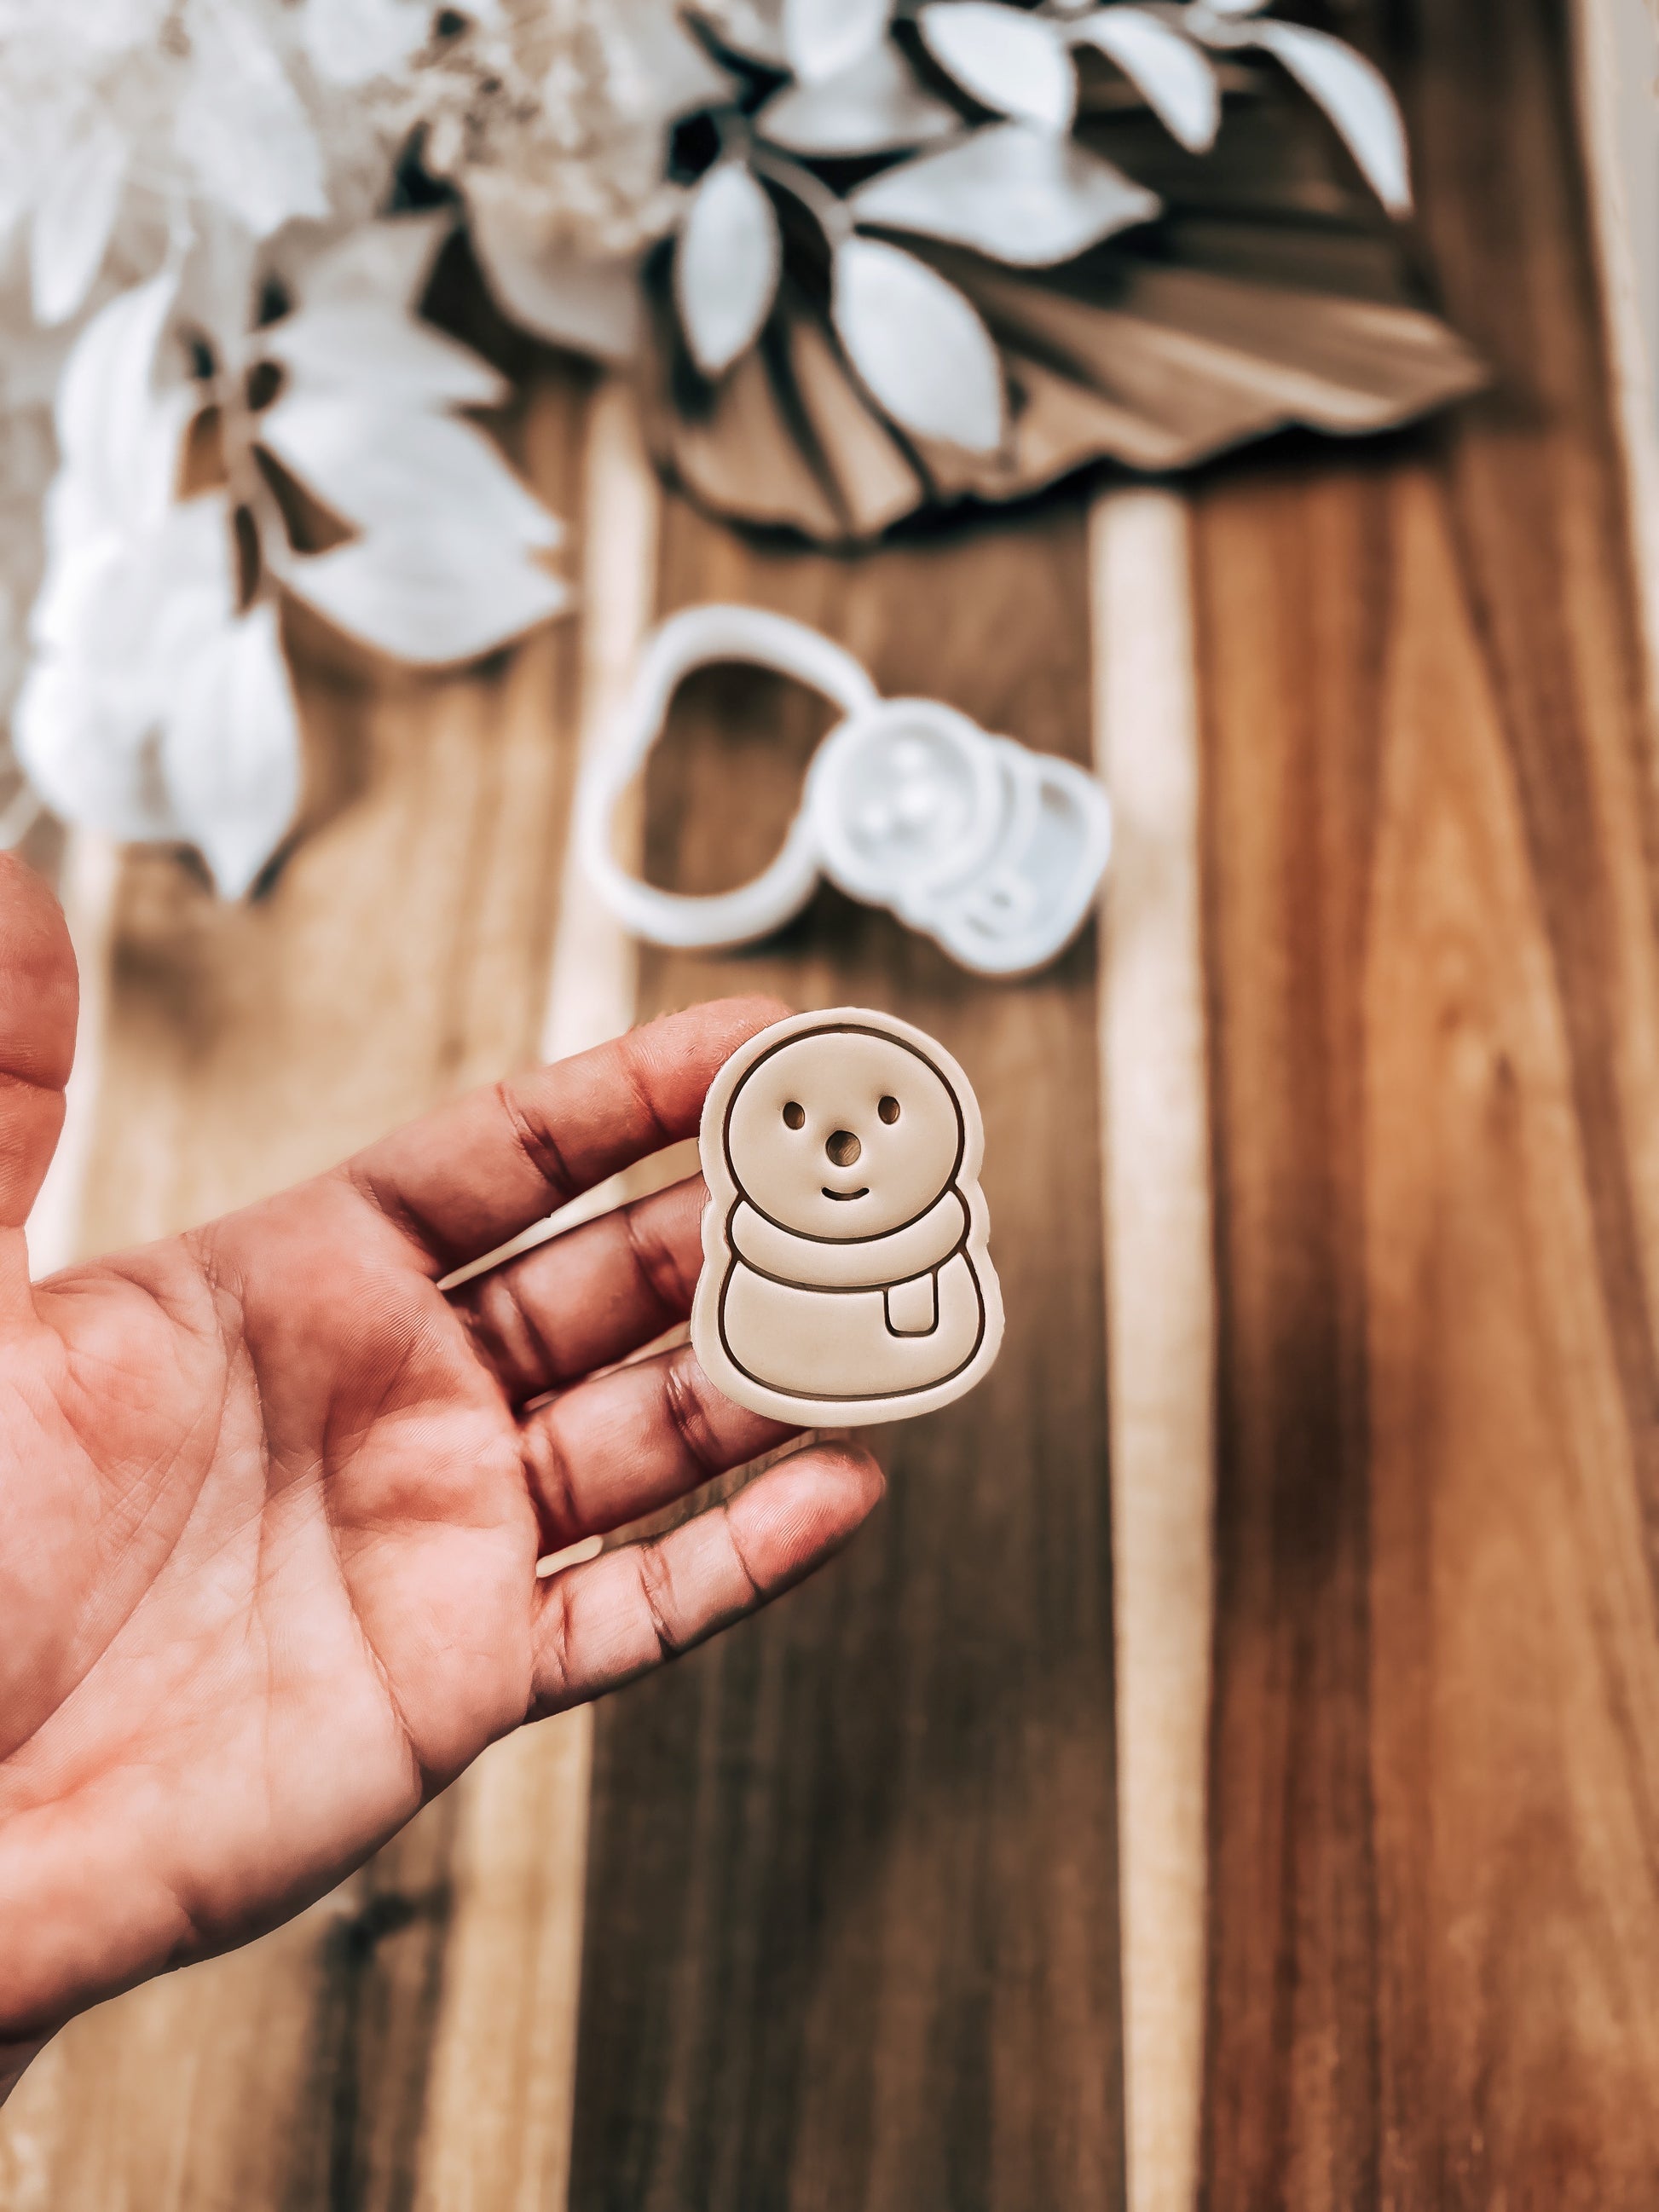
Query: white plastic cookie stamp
[995, 852]
[846, 1276]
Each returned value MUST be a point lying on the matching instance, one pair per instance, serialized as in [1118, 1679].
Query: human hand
[271, 1502]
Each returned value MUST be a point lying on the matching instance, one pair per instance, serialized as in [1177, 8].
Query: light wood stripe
[1161, 1319]
[1617, 55]
[500, 2090]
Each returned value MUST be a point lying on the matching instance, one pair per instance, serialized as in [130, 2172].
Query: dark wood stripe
[379, 1971]
[851, 1932]
[1434, 1928]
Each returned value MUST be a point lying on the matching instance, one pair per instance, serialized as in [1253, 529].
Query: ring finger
[588, 1296]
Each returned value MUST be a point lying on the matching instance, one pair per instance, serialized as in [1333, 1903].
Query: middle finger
[588, 1296]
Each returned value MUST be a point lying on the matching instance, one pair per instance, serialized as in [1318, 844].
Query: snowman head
[843, 1133]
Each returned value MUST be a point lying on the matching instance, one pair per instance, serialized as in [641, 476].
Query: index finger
[469, 1177]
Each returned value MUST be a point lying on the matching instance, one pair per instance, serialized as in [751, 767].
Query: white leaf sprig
[1019, 189]
[159, 704]
[138, 585]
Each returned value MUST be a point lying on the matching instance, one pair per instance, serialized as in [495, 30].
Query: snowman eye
[889, 1110]
[795, 1115]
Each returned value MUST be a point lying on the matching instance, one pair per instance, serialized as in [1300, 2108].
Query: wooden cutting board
[1228, 1770]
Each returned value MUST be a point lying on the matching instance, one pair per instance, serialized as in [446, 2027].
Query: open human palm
[272, 1502]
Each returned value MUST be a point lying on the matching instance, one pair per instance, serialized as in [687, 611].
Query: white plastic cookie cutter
[994, 851]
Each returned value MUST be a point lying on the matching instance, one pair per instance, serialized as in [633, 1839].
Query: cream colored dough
[846, 1276]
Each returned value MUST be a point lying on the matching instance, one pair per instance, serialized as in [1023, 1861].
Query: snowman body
[846, 1276]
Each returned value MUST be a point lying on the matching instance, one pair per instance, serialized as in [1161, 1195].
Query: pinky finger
[616, 1618]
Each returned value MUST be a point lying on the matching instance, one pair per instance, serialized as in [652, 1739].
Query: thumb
[40, 997]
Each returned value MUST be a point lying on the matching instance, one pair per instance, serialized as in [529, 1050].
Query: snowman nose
[843, 1148]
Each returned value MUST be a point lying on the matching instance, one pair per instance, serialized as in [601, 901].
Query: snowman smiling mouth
[844, 1194]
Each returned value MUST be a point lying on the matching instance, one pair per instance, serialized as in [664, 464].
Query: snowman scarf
[903, 1263]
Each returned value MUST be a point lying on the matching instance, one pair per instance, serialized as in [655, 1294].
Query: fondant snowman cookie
[846, 1275]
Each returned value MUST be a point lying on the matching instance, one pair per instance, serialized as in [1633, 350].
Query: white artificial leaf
[367, 345]
[396, 468]
[81, 571]
[117, 437]
[1356, 96]
[922, 350]
[1021, 195]
[679, 72]
[120, 613]
[726, 265]
[753, 29]
[1173, 77]
[389, 260]
[85, 754]
[876, 107]
[109, 369]
[230, 750]
[1015, 63]
[240, 124]
[427, 600]
[73, 220]
[124, 601]
[1234, 7]
[351, 41]
[590, 306]
[821, 37]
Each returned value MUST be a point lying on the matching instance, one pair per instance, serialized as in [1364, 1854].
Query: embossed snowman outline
[789, 1311]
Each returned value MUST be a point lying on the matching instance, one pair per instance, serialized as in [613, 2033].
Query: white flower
[566, 106]
[127, 124]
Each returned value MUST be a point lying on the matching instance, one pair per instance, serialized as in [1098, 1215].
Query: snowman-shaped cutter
[847, 1277]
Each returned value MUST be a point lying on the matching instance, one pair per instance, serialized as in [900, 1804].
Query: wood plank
[496, 2135]
[403, 954]
[851, 1935]
[1160, 1316]
[1434, 999]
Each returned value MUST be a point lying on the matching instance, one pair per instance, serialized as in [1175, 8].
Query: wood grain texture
[1434, 1005]
[852, 1891]
[852, 1908]
[496, 2135]
[403, 954]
